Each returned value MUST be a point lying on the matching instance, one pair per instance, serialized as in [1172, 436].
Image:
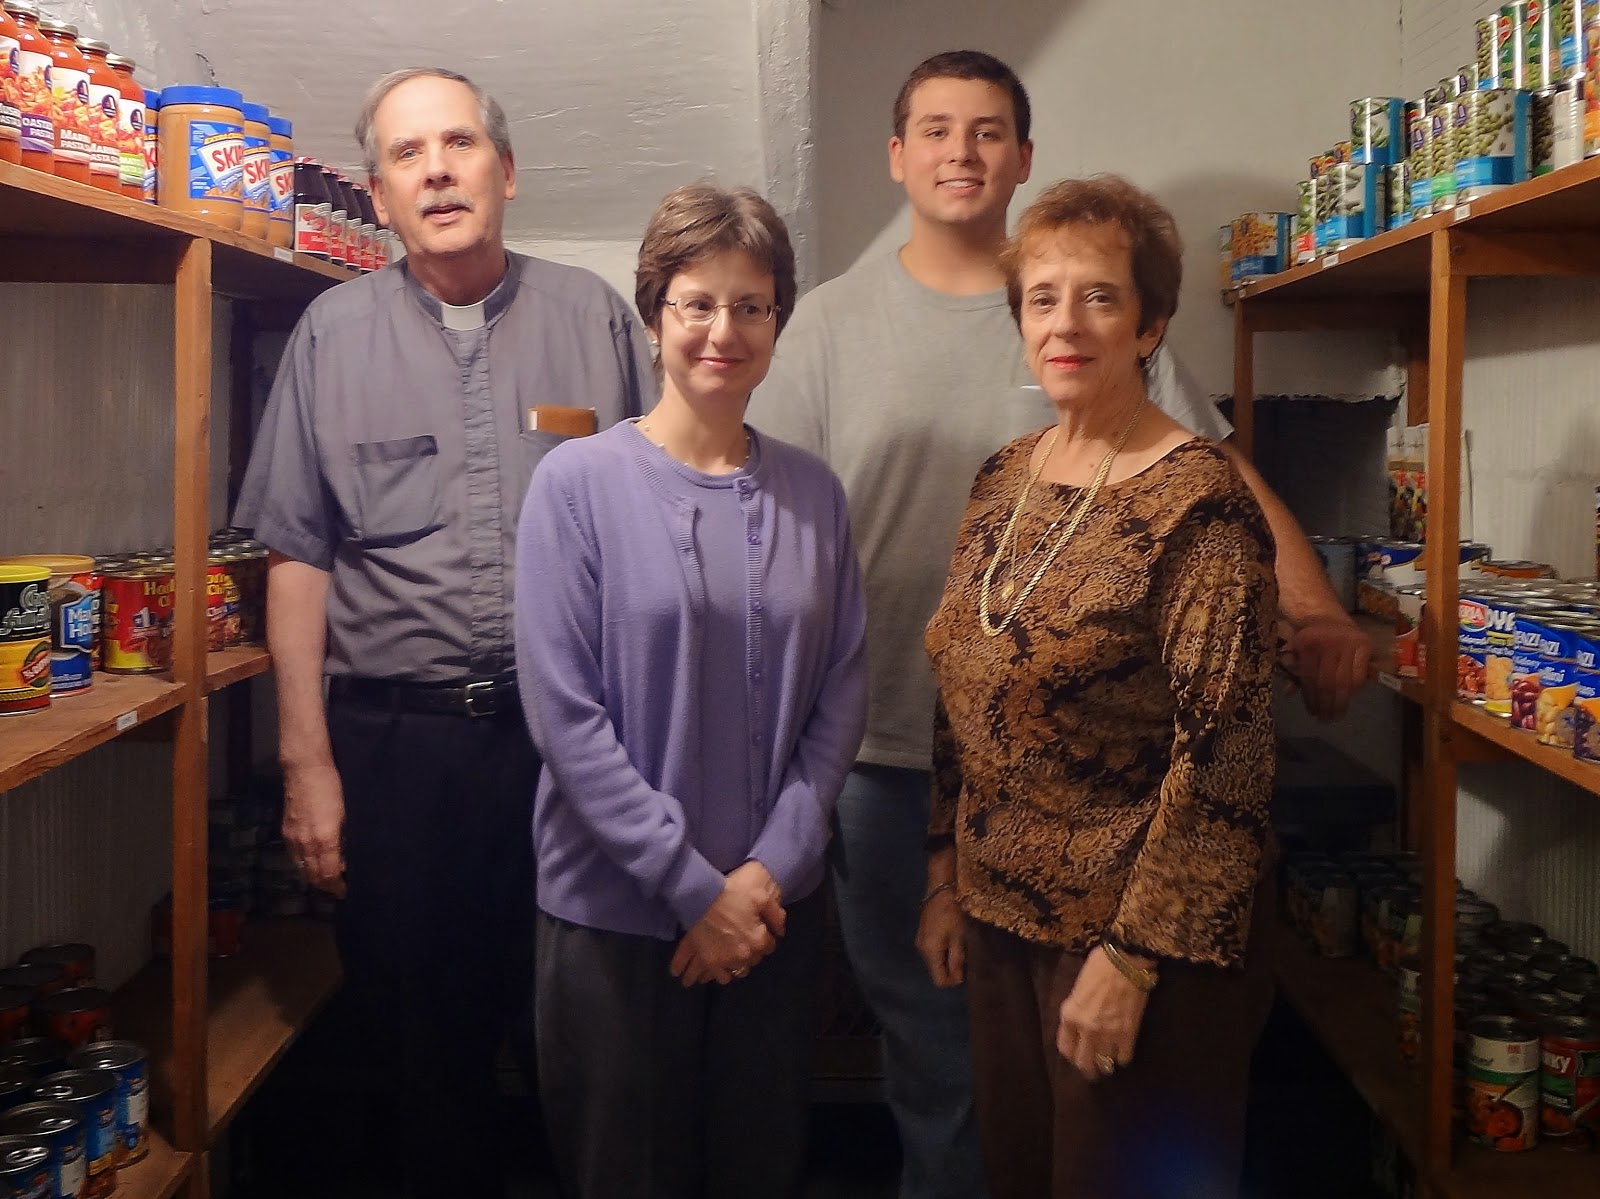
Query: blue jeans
[879, 868]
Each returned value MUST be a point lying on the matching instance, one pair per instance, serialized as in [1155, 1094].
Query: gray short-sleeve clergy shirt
[395, 453]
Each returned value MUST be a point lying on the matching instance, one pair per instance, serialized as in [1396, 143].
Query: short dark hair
[696, 221]
[1154, 248]
[966, 64]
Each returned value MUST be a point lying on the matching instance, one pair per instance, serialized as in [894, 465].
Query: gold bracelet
[949, 886]
[1140, 977]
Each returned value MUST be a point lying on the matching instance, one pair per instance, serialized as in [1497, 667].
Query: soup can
[25, 1168]
[1570, 1077]
[1503, 1083]
[139, 606]
[129, 1066]
[61, 1126]
[24, 639]
[76, 962]
[75, 1017]
[94, 1094]
[39, 1056]
[16, 1086]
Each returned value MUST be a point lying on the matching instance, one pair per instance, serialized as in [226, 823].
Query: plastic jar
[105, 92]
[280, 226]
[337, 216]
[10, 116]
[69, 84]
[201, 171]
[152, 145]
[130, 127]
[257, 171]
[35, 104]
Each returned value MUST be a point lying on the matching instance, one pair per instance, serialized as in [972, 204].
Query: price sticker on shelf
[1462, 212]
[1389, 680]
[1330, 260]
[282, 255]
[126, 721]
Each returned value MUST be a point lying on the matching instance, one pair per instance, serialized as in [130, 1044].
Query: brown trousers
[1168, 1126]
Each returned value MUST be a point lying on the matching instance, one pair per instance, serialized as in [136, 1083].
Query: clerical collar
[461, 317]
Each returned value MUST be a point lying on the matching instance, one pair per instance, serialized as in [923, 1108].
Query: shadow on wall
[856, 133]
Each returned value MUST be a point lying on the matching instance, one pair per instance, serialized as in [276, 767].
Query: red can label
[1570, 1083]
[138, 621]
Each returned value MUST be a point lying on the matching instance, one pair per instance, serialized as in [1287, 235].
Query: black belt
[491, 697]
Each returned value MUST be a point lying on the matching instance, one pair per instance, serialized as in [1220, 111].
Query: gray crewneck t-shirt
[905, 392]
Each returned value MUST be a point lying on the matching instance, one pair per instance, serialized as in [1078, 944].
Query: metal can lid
[36, 975]
[106, 1055]
[15, 997]
[32, 1052]
[23, 574]
[58, 954]
[44, 1116]
[1574, 1027]
[76, 999]
[23, 1154]
[1504, 1028]
[76, 1086]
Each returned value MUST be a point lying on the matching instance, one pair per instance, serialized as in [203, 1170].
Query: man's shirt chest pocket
[397, 490]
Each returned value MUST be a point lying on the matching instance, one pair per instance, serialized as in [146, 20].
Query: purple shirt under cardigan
[610, 618]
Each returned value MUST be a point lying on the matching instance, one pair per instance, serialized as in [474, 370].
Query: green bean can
[1305, 227]
[1542, 53]
[1567, 19]
[1495, 147]
[1542, 121]
[1513, 41]
[1487, 63]
[1377, 130]
[1399, 193]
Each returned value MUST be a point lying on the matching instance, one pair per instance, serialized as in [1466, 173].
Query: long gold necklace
[1007, 547]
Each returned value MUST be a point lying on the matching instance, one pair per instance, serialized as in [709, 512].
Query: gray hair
[489, 110]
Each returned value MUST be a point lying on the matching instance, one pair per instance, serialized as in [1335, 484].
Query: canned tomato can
[129, 1067]
[1377, 130]
[1503, 1083]
[1570, 1077]
[24, 639]
[1494, 142]
[74, 595]
[139, 607]
[76, 961]
[16, 1007]
[64, 1129]
[25, 1168]
[75, 1017]
[94, 1094]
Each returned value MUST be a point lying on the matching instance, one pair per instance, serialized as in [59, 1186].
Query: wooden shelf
[1398, 262]
[38, 742]
[1522, 744]
[259, 1003]
[158, 1176]
[58, 231]
[1352, 1008]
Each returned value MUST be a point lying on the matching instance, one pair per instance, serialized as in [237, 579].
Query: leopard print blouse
[1104, 765]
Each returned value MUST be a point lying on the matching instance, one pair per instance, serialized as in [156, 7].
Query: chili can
[44, 978]
[75, 1017]
[24, 639]
[76, 962]
[25, 1171]
[1570, 1076]
[94, 1094]
[64, 1129]
[139, 607]
[129, 1066]
[1503, 1083]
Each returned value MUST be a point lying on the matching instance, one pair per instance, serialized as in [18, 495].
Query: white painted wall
[1214, 107]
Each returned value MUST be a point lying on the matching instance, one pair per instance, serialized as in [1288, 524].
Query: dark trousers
[435, 935]
[656, 1091]
[1168, 1126]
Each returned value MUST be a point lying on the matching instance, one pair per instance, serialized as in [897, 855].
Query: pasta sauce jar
[130, 128]
[10, 116]
[201, 171]
[31, 88]
[101, 116]
[69, 89]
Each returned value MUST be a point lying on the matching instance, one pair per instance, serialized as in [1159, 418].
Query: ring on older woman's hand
[739, 973]
[1105, 1063]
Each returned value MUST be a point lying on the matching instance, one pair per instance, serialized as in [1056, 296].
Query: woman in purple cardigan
[690, 628]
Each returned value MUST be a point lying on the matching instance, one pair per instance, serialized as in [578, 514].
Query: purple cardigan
[609, 620]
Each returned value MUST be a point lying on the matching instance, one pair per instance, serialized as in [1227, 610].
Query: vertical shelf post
[190, 758]
[1447, 319]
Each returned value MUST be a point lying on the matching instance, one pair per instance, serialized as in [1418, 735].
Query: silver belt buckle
[480, 692]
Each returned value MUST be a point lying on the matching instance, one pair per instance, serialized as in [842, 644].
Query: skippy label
[281, 182]
[257, 174]
[216, 161]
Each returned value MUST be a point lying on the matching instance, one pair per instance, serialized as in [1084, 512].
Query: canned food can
[139, 609]
[1507, 935]
[129, 1067]
[76, 962]
[63, 1129]
[1338, 556]
[1486, 63]
[75, 1017]
[1513, 43]
[1499, 640]
[1570, 1077]
[1494, 142]
[1334, 916]
[1503, 1083]
[1225, 257]
[42, 978]
[94, 1094]
[1527, 637]
[1586, 700]
[1324, 199]
[1305, 227]
[74, 595]
[1542, 51]
[1410, 1014]
[1575, 984]
[1261, 242]
[1447, 124]
[24, 639]
[1591, 90]
[1398, 204]
[253, 592]
[1542, 127]
[1377, 130]
[16, 1012]
[1554, 718]
[1361, 209]
[39, 1056]
[25, 1171]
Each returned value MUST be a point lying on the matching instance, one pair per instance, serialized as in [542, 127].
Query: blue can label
[101, 1134]
[133, 1104]
[216, 161]
[76, 604]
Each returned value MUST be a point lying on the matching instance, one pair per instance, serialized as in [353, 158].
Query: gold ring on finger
[1105, 1063]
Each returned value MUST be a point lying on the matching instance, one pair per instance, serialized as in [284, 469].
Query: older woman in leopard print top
[1103, 745]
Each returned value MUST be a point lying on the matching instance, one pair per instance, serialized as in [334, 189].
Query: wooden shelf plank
[1398, 262]
[74, 724]
[158, 1175]
[1559, 762]
[259, 1003]
[36, 205]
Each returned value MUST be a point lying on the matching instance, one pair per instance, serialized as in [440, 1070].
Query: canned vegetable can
[1495, 145]
[1377, 130]
[1503, 1061]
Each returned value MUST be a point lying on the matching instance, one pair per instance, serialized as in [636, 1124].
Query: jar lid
[26, 7]
[221, 97]
[255, 112]
[282, 126]
[122, 60]
[95, 44]
[46, 25]
[24, 574]
[152, 97]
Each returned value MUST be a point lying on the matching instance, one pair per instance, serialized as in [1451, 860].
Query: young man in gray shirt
[905, 374]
